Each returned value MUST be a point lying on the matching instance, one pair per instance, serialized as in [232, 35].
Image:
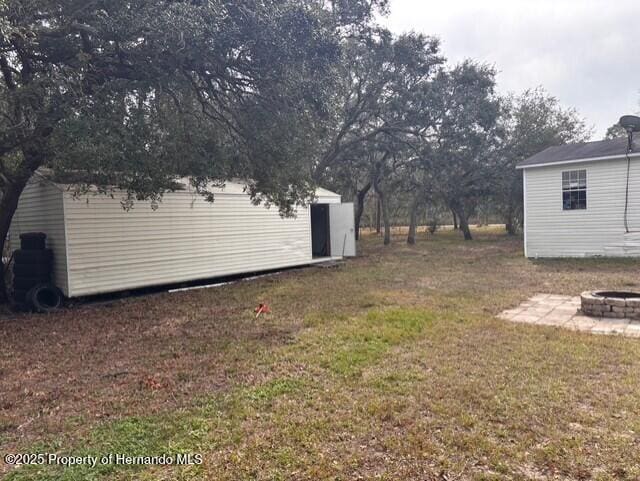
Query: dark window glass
[574, 189]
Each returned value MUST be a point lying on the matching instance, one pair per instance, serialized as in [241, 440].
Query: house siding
[599, 230]
[40, 209]
[185, 238]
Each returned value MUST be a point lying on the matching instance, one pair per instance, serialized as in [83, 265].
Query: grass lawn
[392, 366]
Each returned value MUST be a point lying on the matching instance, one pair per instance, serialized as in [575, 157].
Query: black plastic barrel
[35, 241]
[32, 264]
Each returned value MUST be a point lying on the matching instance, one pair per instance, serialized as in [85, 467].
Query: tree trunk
[8, 205]
[383, 210]
[385, 220]
[361, 195]
[510, 224]
[35, 154]
[378, 218]
[463, 219]
[413, 221]
[464, 226]
[455, 220]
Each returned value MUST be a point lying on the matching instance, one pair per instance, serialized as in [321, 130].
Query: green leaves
[532, 122]
[138, 92]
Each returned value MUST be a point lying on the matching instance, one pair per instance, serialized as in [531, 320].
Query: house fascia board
[576, 161]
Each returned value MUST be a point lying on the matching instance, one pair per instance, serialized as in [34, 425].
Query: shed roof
[235, 186]
[322, 192]
[598, 150]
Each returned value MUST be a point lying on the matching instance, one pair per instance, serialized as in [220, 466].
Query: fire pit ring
[615, 304]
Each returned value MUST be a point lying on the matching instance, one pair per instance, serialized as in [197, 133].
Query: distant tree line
[430, 141]
[286, 94]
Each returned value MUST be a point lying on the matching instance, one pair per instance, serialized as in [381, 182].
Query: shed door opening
[320, 241]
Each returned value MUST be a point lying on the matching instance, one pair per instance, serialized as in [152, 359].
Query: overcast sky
[582, 51]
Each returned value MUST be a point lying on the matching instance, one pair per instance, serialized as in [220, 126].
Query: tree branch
[6, 73]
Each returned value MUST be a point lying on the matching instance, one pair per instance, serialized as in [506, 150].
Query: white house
[582, 200]
[99, 247]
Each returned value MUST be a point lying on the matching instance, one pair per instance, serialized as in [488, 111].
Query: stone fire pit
[611, 304]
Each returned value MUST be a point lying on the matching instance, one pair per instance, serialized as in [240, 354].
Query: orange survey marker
[262, 308]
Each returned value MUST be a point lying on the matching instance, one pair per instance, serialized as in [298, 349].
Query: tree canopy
[533, 121]
[134, 92]
[615, 131]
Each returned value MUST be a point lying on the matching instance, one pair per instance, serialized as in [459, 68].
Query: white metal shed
[99, 247]
[582, 200]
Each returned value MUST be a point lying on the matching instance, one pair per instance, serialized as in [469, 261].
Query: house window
[574, 189]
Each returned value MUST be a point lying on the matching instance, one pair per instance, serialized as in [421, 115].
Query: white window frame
[576, 186]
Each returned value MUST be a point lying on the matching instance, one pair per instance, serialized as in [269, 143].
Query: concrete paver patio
[563, 311]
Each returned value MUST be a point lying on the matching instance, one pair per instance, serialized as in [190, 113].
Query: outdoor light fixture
[631, 124]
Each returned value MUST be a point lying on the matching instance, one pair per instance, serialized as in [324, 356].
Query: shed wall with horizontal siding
[598, 230]
[185, 238]
[41, 209]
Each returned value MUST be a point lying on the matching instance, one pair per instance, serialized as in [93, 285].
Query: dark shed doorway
[320, 240]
